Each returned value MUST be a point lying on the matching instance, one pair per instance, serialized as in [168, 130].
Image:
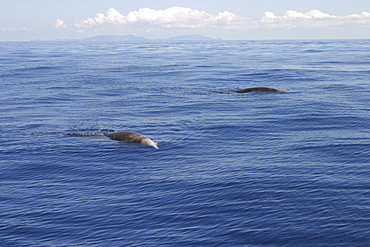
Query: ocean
[253, 169]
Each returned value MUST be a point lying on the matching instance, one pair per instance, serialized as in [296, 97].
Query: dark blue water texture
[254, 169]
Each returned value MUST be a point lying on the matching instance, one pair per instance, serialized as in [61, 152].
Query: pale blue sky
[244, 19]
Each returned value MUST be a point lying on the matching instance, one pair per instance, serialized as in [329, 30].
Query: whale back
[260, 89]
[127, 136]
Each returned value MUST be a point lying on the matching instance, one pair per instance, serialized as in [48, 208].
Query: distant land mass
[127, 38]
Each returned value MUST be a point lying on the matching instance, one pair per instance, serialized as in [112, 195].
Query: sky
[22, 20]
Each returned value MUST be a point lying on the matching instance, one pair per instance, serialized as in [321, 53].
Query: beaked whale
[127, 136]
[259, 89]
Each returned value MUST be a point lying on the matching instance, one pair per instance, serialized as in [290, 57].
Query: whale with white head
[126, 136]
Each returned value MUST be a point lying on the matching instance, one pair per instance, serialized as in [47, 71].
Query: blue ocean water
[254, 169]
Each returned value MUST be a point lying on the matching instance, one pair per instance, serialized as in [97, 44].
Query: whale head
[149, 142]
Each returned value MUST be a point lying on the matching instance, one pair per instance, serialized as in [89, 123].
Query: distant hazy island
[127, 38]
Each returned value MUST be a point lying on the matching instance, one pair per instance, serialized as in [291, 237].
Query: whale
[132, 137]
[126, 136]
[259, 89]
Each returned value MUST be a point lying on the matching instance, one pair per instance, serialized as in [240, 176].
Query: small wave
[312, 51]
[92, 130]
[36, 68]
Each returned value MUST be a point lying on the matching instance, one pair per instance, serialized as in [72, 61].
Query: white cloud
[170, 17]
[182, 17]
[358, 19]
[363, 15]
[23, 29]
[112, 17]
[59, 24]
[312, 19]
